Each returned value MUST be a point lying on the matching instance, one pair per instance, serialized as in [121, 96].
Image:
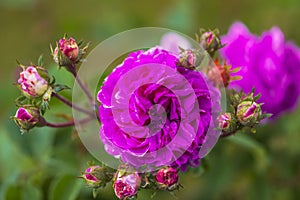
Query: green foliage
[65, 187]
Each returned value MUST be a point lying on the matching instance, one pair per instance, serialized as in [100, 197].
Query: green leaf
[13, 192]
[66, 187]
[13, 158]
[31, 192]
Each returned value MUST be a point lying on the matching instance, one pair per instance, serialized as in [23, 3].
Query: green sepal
[60, 87]
[44, 107]
[41, 60]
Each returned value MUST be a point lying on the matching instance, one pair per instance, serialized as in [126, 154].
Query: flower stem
[223, 135]
[81, 85]
[66, 124]
[70, 104]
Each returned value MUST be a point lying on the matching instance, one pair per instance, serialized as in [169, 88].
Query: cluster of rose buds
[37, 88]
[244, 112]
[34, 84]
[218, 72]
[127, 182]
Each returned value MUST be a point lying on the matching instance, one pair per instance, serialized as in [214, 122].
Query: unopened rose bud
[90, 176]
[69, 48]
[98, 176]
[227, 122]
[210, 41]
[249, 113]
[126, 185]
[167, 178]
[32, 83]
[190, 58]
[27, 118]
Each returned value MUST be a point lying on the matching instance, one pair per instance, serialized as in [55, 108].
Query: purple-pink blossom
[153, 112]
[268, 63]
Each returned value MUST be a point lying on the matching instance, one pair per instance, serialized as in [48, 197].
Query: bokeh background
[44, 164]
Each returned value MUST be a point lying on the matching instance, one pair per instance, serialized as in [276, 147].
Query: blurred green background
[44, 164]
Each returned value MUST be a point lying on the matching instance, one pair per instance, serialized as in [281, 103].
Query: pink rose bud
[27, 118]
[210, 41]
[227, 123]
[249, 113]
[90, 176]
[190, 58]
[126, 185]
[167, 178]
[31, 82]
[68, 47]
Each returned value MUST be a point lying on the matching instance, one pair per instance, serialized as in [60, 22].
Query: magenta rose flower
[268, 63]
[154, 112]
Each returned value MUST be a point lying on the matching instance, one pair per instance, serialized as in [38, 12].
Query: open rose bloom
[155, 113]
[268, 63]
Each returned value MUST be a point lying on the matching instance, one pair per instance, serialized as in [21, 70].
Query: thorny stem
[70, 104]
[66, 124]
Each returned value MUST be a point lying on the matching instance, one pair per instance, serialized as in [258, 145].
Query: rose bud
[69, 48]
[210, 41]
[32, 82]
[126, 185]
[27, 118]
[190, 58]
[90, 176]
[167, 178]
[249, 113]
[98, 176]
[227, 123]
